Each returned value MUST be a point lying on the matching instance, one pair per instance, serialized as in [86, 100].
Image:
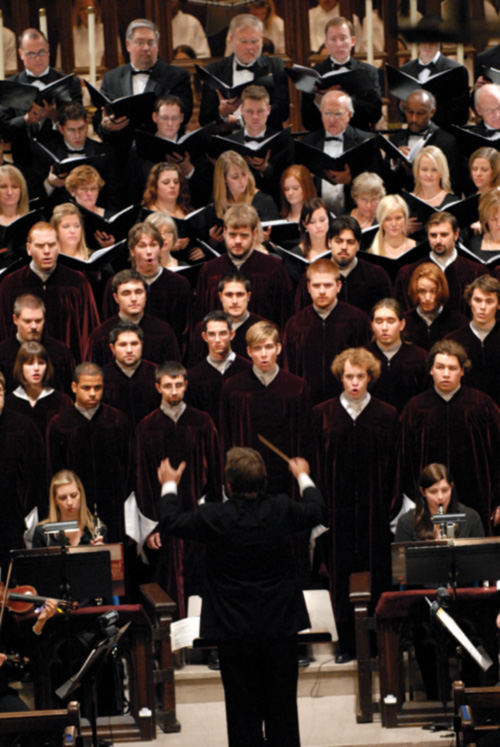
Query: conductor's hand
[154, 541]
[166, 472]
[297, 465]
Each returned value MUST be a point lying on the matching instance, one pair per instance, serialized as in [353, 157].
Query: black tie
[45, 79]
[339, 66]
[250, 139]
[251, 68]
[329, 138]
[142, 72]
[78, 152]
[431, 67]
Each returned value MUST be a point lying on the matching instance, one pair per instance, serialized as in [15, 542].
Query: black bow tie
[431, 67]
[251, 68]
[77, 152]
[329, 138]
[250, 139]
[43, 79]
[339, 66]
[142, 72]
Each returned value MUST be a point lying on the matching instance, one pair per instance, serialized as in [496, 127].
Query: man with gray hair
[487, 106]
[247, 64]
[336, 137]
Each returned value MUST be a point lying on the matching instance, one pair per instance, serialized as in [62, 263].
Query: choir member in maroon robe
[431, 318]
[22, 477]
[207, 378]
[442, 234]
[71, 312]
[355, 438]
[183, 434]
[481, 337]
[403, 372]
[454, 425]
[29, 321]
[35, 397]
[271, 287]
[269, 401]
[235, 291]
[129, 380]
[169, 295]
[94, 440]
[315, 335]
[130, 294]
[363, 283]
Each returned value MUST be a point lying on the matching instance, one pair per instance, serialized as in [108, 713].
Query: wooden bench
[471, 706]
[63, 724]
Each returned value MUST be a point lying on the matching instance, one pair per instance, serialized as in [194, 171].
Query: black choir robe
[71, 311]
[169, 298]
[136, 395]
[43, 411]
[310, 344]
[60, 355]
[363, 287]
[198, 346]
[463, 434]
[485, 358]
[354, 471]
[99, 451]
[271, 286]
[194, 439]
[459, 274]
[418, 332]
[22, 479]
[206, 382]
[160, 342]
[401, 377]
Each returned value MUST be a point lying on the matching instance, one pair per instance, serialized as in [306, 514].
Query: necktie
[250, 139]
[329, 138]
[142, 72]
[338, 65]
[250, 68]
[431, 67]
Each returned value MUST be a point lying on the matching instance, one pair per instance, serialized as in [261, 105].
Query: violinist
[67, 503]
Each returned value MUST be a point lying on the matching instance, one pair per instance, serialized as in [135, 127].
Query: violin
[22, 599]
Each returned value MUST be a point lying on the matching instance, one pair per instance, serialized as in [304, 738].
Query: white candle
[2, 60]
[42, 16]
[92, 54]
[413, 23]
[369, 30]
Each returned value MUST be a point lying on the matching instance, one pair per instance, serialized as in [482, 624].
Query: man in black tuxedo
[488, 58]
[252, 603]
[145, 72]
[247, 64]
[37, 123]
[419, 109]
[336, 137]
[68, 141]
[454, 109]
[487, 106]
[340, 42]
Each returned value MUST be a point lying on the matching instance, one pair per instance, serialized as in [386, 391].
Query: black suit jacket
[164, 80]
[442, 140]
[488, 58]
[14, 127]
[251, 588]
[223, 69]
[455, 108]
[367, 110]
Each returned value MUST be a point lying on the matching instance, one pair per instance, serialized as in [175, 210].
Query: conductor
[252, 603]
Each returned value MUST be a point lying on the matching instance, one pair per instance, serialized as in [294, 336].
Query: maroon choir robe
[169, 298]
[423, 335]
[401, 377]
[271, 286]
[22, 479]
[44, 410]
[310, 344]
[193, 439]
[71, 311]
[463, 434]
[459, 274]
[485, 358]
[363, 287]
[355, 472]
[205, 384]
[99, 451]
[160, 342]
[136, 395]
[60, 355]
[198, 346]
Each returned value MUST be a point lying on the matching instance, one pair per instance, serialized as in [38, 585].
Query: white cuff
[169, 487]
[305, 481]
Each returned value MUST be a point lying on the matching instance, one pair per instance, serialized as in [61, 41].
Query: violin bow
[4, 600]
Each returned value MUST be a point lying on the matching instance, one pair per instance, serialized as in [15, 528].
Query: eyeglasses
[491, 112]
[336, 115]
[175, 118]
[145, 43]
[34, 55]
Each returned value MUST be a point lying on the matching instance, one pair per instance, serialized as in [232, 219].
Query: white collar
[268, 377]
[174, 413]
[223, 365]
[354, 407]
